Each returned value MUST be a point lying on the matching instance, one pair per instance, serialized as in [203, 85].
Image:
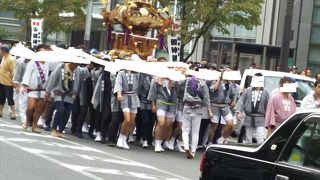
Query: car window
[271, 83]
[304, 147]
[280, 138]
[248, 82]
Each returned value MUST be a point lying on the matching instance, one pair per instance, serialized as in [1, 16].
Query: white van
[271, 83]
[272, 79]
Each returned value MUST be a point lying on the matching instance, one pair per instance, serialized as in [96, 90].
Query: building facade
[305, 41]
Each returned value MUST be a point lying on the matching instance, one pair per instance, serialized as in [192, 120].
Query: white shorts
[165, 114]
[37, 94]
[132, 110]
[224, 119]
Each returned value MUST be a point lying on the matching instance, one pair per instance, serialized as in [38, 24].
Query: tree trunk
[28, 31]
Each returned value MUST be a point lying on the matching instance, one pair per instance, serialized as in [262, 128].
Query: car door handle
[281, 177]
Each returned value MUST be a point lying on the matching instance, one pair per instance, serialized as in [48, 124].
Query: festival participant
[101, 101]
[312, 100]
[61, 83]
[163, 97]
[280, 106]
[85, 95]
[35, 76]
[253, 102]
[23, 97]
[116, 116]
[176, 138]
[7, 71]
[222, 96]
[196, 95]
[147, 116]
[127, 88]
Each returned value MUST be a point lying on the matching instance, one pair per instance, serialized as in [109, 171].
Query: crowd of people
[175, 115]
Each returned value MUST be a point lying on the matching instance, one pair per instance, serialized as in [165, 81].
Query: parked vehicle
[272, 79]
[271, 83]
[292, 152]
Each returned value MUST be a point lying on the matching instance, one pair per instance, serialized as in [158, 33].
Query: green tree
[4, 34]
[49, 10]
[198, 17]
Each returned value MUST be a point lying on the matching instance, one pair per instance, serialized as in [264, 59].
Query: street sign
[174, 44]
[36, 32]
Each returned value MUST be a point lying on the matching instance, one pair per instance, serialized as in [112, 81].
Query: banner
[174, 44]
[36, 32]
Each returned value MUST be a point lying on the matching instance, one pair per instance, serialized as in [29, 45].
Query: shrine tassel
[126, 37]
[161, 42]
[108, 34]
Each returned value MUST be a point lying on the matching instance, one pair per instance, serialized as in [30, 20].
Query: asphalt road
[26, 155]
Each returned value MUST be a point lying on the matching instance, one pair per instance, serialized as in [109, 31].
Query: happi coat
[254, 104]
[35, 76]
[62, 84]
[21, 66]
[145, 84]
[164, 96]
[128, 85]
[196, 95]
[102, 92]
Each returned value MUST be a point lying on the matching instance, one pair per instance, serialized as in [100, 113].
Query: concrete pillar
[88, 24]
[233, 53]
[264, 57]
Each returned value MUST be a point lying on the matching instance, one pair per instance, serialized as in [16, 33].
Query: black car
[292, 152]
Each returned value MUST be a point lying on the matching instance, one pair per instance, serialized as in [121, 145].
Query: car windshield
[304, 88]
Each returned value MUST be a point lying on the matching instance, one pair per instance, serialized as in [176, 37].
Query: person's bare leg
[125, 123]
[178, 130]
[159, 128]
[131, 123]
[125, 130]
[159, 134]
[30, 111]
[36, 115]
[168, 128]
[228, 129]
[212, 131]
[13, 112]
[1, 109]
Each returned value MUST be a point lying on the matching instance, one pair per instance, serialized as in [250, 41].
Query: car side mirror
[273, 147]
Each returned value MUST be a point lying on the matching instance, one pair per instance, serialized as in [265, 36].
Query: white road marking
[116, 172]
[89, 175]
[87, 147]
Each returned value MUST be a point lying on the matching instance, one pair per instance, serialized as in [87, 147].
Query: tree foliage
[4, 34]
[49, 10]
[199, 17]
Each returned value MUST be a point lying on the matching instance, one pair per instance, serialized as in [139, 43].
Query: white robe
[31, 78]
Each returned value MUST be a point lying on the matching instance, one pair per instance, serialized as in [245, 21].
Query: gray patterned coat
[128, 85]
[165, 99]
[255, 115]
[54, 85]
[145, 84]
[201, 97]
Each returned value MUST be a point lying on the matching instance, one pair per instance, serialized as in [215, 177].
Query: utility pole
[88, 24]
[287, 36]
